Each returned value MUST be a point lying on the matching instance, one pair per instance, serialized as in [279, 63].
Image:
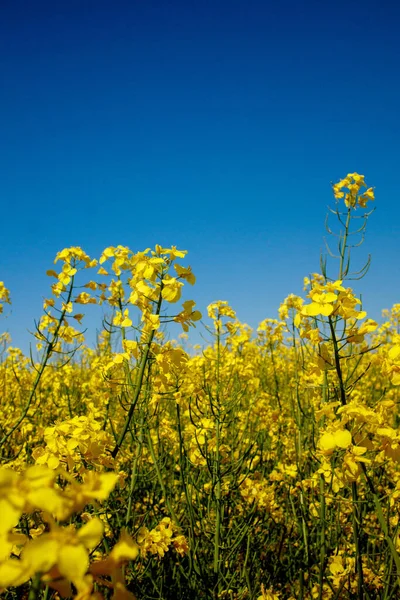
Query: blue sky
[215, 126]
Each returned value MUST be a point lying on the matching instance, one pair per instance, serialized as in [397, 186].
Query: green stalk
[322, 555]
[192, 564]
[217, 472]
[356, 512]
[385, 530]
[134, 472]
[160, 479]
[356, 534]
[217, 499]
[40, 371]
[337, 362]
[139, 383]
[276, 380]
[343, 244]
[34, 590]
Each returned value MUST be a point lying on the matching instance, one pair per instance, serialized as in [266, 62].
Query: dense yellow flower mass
[264, 465]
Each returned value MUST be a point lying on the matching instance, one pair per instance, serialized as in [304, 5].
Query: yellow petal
[359, 450]
[394, 352]
[91, 533]
[326, 309]
[386, 432]
[396, 379]
[49, 500]
[39, 476]
[13, 573]
[53, 462]
[104, 485]
[330, 297]
[9, 516]
[342, 438]
[312, 309]
[327, 442]
[5, 549]
[121, 593]
[126, 322]
[361, 315]
[72, 444]
[41, 554]
[126, 549]
[73, 562]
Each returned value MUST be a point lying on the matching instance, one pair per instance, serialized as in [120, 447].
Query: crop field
[264, 466]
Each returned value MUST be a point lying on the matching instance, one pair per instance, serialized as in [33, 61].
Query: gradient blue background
[216, 126]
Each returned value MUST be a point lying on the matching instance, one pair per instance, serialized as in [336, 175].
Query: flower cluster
[349, 189]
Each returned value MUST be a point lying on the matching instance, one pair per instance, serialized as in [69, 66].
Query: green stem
[356, 534]
[43, 364]
[343, 245]
[337, 362]
[139, 384]
[322, 556]
[160, 479]
[134, 472]
[217, 471]
[35, 587]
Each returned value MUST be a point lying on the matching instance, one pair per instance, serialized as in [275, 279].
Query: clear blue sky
[216, 126]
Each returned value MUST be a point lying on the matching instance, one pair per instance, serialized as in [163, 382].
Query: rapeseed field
[264, 466]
